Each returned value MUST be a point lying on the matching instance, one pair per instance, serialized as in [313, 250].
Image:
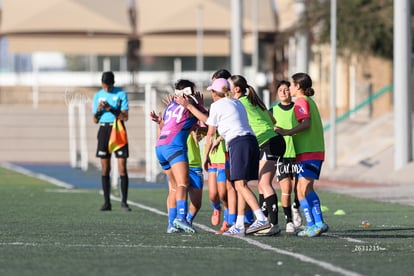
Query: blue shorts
[309, 169]
[196, 178]
[220, 174]
[244, 158]
[169, 155]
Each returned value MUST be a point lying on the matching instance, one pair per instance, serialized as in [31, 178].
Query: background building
[55, 50]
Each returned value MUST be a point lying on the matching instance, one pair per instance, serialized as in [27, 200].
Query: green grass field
[46, 230]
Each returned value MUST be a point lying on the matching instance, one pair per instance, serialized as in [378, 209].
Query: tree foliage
[363, 26]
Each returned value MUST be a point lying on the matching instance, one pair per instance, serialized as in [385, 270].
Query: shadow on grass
[381, 233]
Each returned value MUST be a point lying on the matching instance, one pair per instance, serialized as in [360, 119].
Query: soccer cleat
[257, 226]
[224, 228]
[125, 207]
[297, 217]
[215, 217]
[272, 231]
[235, 232]
[310, 231]
[324, 227]
[290, 227]
[183, 225]
[171, 229]
[106, 207]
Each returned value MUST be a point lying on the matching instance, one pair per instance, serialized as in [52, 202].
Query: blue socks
[307, 211]
[216, 205]
[315, 205]
[190, 218]
[231, 219]
[182, 209]
[172, 214]
[249, 216]
[311, 207]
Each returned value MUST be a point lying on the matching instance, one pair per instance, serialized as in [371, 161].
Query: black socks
[124, 188]
[106, 187]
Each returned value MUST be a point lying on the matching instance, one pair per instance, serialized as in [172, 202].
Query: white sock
[240, 221]
[259, 214]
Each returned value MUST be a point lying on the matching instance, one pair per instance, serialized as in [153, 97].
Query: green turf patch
[46, 231]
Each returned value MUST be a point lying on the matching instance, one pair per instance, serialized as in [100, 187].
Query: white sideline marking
[41, 176]
[71, 191]
[344, 238]
[117, 246]
[301, 257]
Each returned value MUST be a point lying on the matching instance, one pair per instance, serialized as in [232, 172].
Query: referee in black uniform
[109, 103]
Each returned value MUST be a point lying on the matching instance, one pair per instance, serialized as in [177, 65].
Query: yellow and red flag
[118, 137]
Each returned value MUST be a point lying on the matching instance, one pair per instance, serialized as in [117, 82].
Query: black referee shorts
[104, 133]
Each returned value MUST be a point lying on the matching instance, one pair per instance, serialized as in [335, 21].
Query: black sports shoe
[106, 207]
[125, 207]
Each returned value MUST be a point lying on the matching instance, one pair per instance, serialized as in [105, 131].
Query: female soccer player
[272, 147]
[309, 143]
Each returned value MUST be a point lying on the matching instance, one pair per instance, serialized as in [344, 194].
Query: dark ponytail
[252, 96]
[305, 83]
